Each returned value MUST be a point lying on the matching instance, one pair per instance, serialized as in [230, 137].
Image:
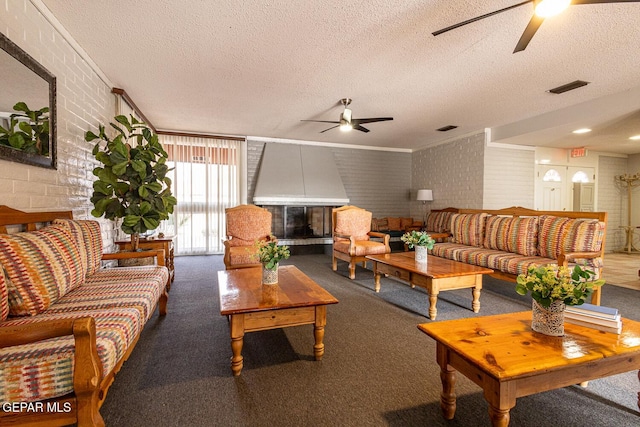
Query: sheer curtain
[207, 179]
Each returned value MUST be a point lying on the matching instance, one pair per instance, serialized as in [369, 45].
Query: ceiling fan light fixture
[548, 8]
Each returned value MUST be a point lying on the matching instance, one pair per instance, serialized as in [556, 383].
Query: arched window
[580, 176]
[552, 175]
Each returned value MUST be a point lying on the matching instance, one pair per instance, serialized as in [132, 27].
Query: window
[552, 175]
[580, 176]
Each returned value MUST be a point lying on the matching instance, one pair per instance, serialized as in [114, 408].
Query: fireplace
[300, 225]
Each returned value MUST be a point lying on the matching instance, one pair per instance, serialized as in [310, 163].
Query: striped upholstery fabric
[44, 370]
[89, 239]
[561, 235]
[41, 266]
[468, 229]
[517, 235]
[355, 222]
[4, 296]
[362, 247]
[439, 222]
[138, 287]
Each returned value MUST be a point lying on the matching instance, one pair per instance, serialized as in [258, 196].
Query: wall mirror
[27, 108]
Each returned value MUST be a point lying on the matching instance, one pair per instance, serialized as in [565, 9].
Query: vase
[548, 321]
[269, 277]
[421, 254]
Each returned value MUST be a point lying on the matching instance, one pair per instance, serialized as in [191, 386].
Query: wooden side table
[165, 243]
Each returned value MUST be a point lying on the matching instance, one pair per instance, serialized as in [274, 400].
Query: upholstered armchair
[352, 238]
[244, 225]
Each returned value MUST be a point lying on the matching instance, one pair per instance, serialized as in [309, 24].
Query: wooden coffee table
[508, 360]
[295, 300]
[439, 275]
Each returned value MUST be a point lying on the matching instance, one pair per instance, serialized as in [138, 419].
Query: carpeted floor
[378, 368]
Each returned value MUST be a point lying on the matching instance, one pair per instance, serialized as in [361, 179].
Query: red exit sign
[579, 152]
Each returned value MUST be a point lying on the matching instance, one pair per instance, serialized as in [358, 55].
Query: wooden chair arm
[157, 253]
[378, 234]
[563, 259]
[87, 370]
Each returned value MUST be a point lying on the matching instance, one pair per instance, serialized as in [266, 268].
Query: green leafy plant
[270, 253]
[418, 238]
[132, 182]
[28, 130]
[557, 283]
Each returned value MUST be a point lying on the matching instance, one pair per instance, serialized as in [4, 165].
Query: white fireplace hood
[298, 175]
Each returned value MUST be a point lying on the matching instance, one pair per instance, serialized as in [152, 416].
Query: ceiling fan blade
[320, 121]
[528, 33]
[332, 127]
[360, 128]
[477, 18]
[356, 122]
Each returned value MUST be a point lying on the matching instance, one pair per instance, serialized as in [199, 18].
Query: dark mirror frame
[14, 155]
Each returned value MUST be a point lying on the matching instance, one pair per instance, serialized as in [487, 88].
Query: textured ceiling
[256, 68]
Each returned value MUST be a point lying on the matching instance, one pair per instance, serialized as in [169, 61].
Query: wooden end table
[440, 274]
[165, 243]
[507, 359]
[251, 306]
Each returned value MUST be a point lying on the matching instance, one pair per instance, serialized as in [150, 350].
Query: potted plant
[270, 254]
[28, 130]
[132, 180]
[421, 240]
[552, 288]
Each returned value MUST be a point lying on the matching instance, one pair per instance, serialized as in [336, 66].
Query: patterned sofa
[511, 240]
[66, 324]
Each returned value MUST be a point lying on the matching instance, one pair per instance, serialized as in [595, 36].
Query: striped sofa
[66, 324]
[511, 240]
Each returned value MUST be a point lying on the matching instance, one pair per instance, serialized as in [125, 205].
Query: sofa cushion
[394, 223]
[44, 370]
[439, 222]
[4, 296]
[512, 234]
[405, 223]
[363, 247]
[354, 222]
[561, 235]
[89, 239]
[134, 287]
[41, 266]
[468, 229]
[379, 224]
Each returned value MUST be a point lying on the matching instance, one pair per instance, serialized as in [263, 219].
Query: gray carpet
[378, 368]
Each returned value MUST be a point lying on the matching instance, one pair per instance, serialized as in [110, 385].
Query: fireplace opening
[300, 222]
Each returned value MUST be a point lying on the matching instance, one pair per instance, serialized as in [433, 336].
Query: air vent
[569, 86]
[446, 128]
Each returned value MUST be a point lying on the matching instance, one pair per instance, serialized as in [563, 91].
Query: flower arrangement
[270, 254]
[557, 283]
[418, 238]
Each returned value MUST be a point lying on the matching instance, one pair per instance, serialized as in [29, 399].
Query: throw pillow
[89, 239]
[394, 223]
[516, 235]
[4, 296]
[41, 267]
[468, 229]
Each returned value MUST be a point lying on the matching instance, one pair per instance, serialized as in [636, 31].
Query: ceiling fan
[542, 8]
[347, 122]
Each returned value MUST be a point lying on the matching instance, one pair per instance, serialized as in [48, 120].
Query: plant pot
[421, 254]
[269, 277]
[548, 321]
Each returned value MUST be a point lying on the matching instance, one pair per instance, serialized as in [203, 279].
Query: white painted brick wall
[612, 199]
[509, 178]
[83, 101]
[454, 171]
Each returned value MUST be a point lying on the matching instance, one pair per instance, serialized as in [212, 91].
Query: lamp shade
[425, 195]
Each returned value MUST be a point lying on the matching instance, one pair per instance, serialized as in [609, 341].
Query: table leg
[499, 417]
[448, 379]
[318, 331]
[237, 340]
[433, 299]
[475, 305]
[376, 276]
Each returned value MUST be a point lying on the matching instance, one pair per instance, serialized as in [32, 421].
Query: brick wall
[376, 180]
[83, 100]
[454, 171]
[516, 164]
[612, 199]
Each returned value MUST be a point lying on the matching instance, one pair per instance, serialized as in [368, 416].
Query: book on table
[594, 316]
[594, 310]
[617, 329]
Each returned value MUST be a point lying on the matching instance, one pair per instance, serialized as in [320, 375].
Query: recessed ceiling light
[635, 137]
[583, 130]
